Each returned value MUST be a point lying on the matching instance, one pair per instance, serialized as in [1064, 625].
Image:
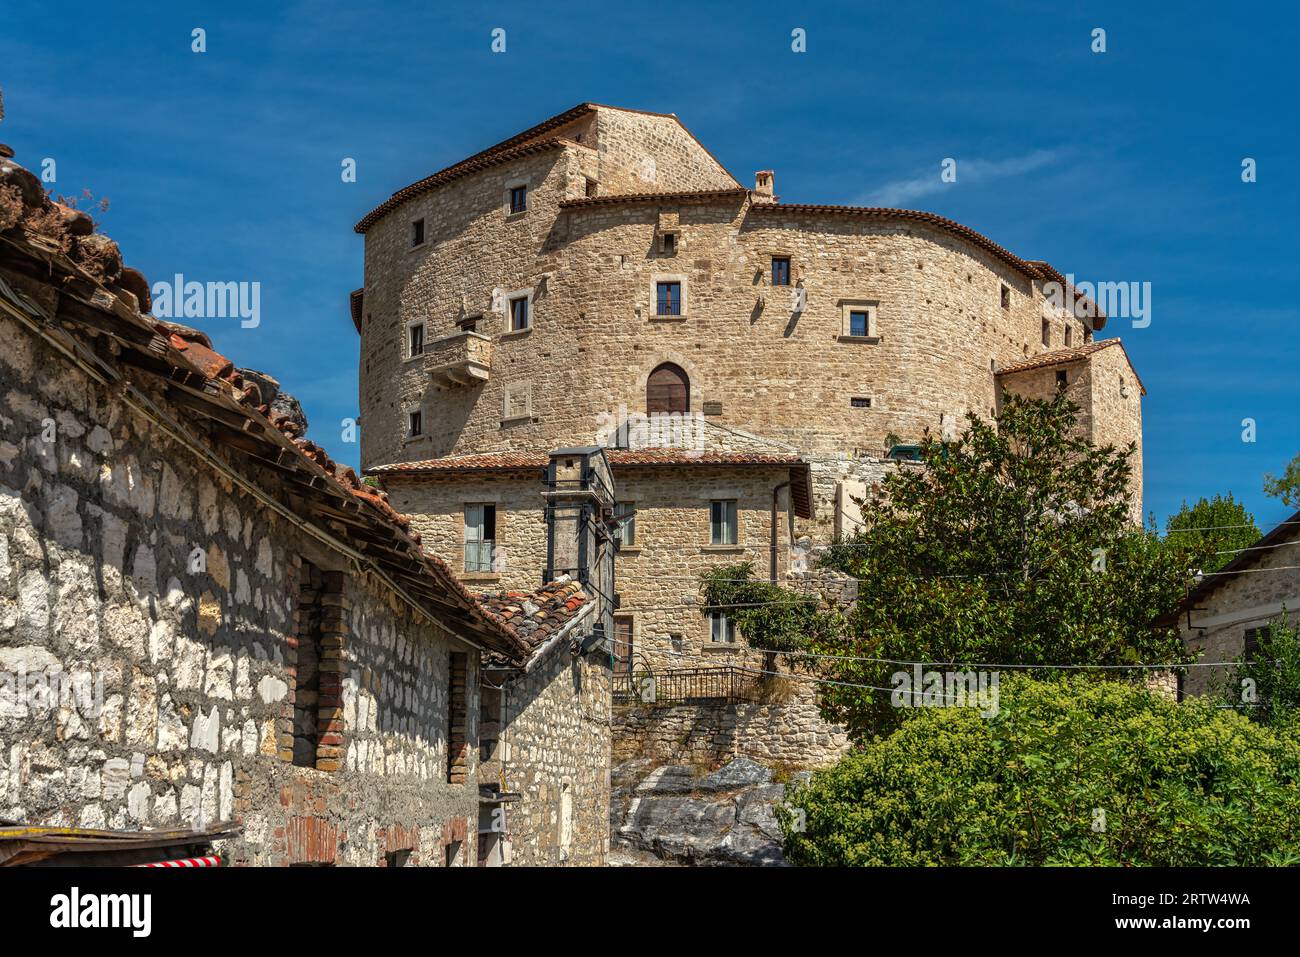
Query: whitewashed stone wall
[127, 563]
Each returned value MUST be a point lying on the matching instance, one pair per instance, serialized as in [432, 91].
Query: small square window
[518, 199]
[858, 320]
[417, 233]
[414, 423]
[518, 313]
[1006, 298]
[722, 522]
[780, 270]
[722, 630]
[862, 402]
[415, 339]
[668, 244]
[1062, 379]
[669, 299]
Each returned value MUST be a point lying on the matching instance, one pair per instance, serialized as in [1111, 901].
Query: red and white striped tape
[212, 860]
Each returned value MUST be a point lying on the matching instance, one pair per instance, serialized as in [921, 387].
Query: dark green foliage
[1210, 532]
[1267, 688]
[1076, 771]
[1014, 545]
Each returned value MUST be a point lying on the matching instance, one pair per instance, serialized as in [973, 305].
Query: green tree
[1287, 485]
[1209, 532]
[1012, 544]
[1070, 772]
[1266, 686]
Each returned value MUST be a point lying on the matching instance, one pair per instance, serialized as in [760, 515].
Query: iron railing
[722, 685]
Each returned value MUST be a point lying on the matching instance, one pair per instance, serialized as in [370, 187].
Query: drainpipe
[776, 497]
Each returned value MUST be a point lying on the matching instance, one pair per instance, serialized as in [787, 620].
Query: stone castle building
[603, 267]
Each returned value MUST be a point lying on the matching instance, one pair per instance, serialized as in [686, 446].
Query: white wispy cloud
[903, 191]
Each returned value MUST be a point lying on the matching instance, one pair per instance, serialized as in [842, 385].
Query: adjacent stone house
[204, 619]
[1224, 615]
[750, 363]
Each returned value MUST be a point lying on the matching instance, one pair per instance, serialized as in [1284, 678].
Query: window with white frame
[519, 313]
[722, 630]
[625, 512]
[414, 339]
[722, 522]
[480, 537]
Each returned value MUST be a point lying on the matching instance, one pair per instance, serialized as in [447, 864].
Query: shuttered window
[668, 390]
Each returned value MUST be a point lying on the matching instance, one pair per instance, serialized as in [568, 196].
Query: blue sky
[1122, 166]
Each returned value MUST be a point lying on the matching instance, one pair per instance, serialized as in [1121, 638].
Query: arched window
[668, 390]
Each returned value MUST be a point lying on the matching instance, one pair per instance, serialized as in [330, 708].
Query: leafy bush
[1080, 771]
[1267, 687]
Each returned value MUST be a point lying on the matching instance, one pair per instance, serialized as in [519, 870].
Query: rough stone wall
[127, 564]
[557, 743]
[643, 153]
[436, 507]
[787, 376]
[594, 339]
[472, 246]
[1109, 399]
[790, 734]
[1117, 411]
[658, 578]
[1243, 601]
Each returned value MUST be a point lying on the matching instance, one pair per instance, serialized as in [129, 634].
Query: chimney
[763, 184]
[580, 499]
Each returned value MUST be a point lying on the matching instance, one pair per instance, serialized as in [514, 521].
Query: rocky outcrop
[677, 814]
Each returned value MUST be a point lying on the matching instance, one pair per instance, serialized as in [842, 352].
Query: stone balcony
[461, 359]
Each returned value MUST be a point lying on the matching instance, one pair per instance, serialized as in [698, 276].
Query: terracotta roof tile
[1035, 269]
[539, 616]
[800, 473]
[182, 362]
[1062, 356]
[474, 164]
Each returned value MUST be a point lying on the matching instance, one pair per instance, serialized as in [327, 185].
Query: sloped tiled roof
[1062, 356]
[199, 396]
[537, 617]
[521, 144]
[1247, 558]
[688, 196]
[510, 461]
[1035, 269]
[480, 161]
[800, 473]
